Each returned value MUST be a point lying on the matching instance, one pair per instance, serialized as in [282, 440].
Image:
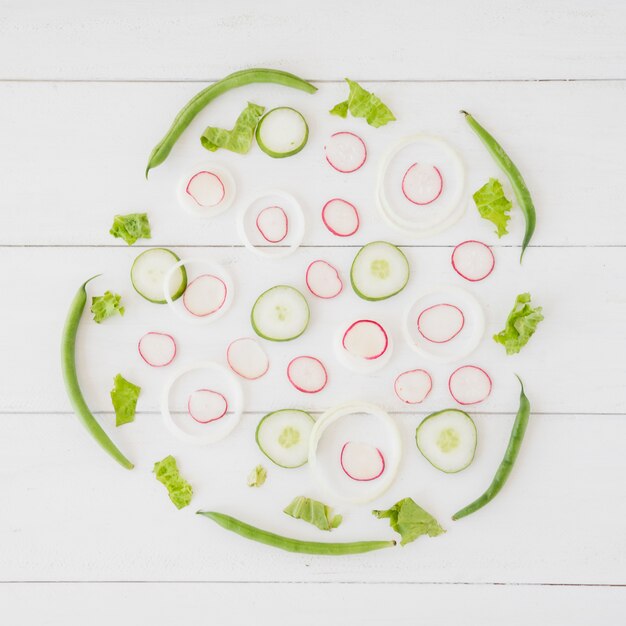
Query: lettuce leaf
[257, 476]
[363, 103]
[313, 512]
[520, 325]
[124, 397]
[410, 520]
[239, 139]
[105, 306]
[493, 205]
[178, 488]
[131, 227]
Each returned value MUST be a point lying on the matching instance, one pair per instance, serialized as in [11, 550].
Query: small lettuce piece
[493, 205]
[520, 325]
[105, 306]
[410, 520]
[363, 103]
[313, 512]
[257, 476]
[178, 488]
[131, 227]
[239, 139]
[124, 398]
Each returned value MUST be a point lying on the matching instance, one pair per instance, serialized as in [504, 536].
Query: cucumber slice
[379, 270]
[280, 314]
[283, 437]
[447, 439]
[282, 132]
[148, 274]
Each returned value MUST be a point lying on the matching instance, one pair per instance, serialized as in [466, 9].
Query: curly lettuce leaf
[493, 205]
[257, 476]
[239, 139]
[520, 325]
[178, 488]
[131, 227]
[313, 512]
[363, 103]
[124, 398]
[105, 306]
[410, 520]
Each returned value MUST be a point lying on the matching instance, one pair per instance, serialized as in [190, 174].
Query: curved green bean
[202, 98]
[68, 366]
[293, 545]
[513, 174]
[512, 450]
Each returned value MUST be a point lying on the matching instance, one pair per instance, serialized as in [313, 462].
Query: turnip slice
[157, 349]
[340, 217]
[473, 260]
[440, 323]
[366, 339]
[422, 183]
[307, 374]
[206, 188]
[273, 224]
[346, 152]
[206, 405]
[247, 358]
[205, 295]
[469, 385]
[413, 386]
[323, 280]
[361, 461]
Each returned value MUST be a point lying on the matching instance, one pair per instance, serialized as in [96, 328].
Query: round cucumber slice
[282, 132]
[379, 270]
[283, 437]
[447, 439]
[280, 314]
[148, 273]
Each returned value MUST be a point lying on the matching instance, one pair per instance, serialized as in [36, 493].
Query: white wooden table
[86, 89]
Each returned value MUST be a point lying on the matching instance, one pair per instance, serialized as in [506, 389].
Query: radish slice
[365, 339]
[361, 461]
[247, 358]
[340, 217]
[422, 184]
[346, 152]
[205, 295]
[469, 384]
[307, 374]
[473, 260]
[440, 323]
[206, 405]
[157, 349]
[323, 280]
[273, 224]
[413, 386]
[206, 189]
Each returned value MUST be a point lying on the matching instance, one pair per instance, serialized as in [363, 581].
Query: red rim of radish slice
[363, 477]
[437, 181]
[264, 232]
[327, 219]
[430, 309]
[144, 348]
[231, 357]
[306, 365]
[484, 377]
[213, 177]
[191, 410]
[480, 276]
[375, 355]
[190, 290]
[331, 276]
[405, 395]
[224, 190]
[358, 160]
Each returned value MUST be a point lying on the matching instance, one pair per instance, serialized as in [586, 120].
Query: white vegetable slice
[340, 217]
[282, 132]
[469, 384]
[473, 260]
[361, 461]
[157, 349]
[365, 339]
[280, 314]
[323, 280]
[422, 183]
[205, 295]
[149, 270]
[413, 386]
[273, 224]
[440, 323]
[307, 374]
[283, 436]
[206, 405]
[247, 358]
[206, 190]
[380, 270]
[346, 152]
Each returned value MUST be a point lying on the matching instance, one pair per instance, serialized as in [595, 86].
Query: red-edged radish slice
[273, 224]
[366, 339]
[440, 323]
[247, 358]
[340, 217]
[307, 374]
[205, 295]
[473, 260]
[361, 461]
[422, 184]
[157, 349]
[346, 152]
[323, 280]
[413, 387]
[469, 384]
[206, 189]
[206, 405]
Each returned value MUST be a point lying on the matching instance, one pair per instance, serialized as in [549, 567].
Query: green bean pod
[513, 174]
[510, 455]
[202, 98]
[68, 366]
[294, 545]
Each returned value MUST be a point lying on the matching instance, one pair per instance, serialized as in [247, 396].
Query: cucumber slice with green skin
[447, 439]
[280, 314]
[283, 437]
[148, 273]
[282, 132]
[379, 270]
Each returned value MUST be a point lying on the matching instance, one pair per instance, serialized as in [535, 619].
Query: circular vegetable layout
[340, 217]
[363, 346]
[345, 152]
[206, 190]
